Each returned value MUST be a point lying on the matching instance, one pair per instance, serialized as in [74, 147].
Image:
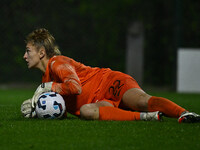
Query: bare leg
[105, 111]
[91, 111]
[136, 99]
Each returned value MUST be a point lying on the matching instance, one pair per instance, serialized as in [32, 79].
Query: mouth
[27, 62]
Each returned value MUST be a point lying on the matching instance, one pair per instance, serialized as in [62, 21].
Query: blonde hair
[42, 38]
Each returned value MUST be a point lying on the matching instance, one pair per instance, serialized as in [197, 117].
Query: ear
[42, 53]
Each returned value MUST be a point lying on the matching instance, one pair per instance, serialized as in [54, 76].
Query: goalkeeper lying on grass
[93, 93]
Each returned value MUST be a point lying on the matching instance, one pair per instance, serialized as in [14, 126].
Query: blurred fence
[94, 33]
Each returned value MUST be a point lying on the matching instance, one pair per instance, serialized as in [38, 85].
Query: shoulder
[60, 58]
[60, 62]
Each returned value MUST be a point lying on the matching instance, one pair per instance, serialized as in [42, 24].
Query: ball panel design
[50, 105]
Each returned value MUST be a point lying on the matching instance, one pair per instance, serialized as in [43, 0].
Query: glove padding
[42, 88]
[27, 110]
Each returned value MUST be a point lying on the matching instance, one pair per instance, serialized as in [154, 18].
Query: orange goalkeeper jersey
[80, 84]
[70, 80]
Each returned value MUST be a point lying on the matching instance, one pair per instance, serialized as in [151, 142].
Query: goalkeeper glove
[27, 110]
[42, 88]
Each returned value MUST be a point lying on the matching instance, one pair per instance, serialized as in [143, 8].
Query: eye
[27, 50]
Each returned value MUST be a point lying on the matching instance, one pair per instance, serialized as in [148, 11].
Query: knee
[143, 101]
[89, 112]
[136, 99]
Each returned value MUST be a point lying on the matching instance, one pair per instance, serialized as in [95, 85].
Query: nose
[25, 55]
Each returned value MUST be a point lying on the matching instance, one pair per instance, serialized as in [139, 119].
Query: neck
[43, 64]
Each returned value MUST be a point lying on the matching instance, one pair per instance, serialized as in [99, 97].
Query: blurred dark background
[94, 33]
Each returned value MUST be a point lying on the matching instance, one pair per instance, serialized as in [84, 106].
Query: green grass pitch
[17, 132]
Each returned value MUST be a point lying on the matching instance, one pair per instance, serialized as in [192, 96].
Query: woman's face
[32, 56]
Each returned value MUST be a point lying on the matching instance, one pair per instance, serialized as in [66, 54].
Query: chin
[29, 66]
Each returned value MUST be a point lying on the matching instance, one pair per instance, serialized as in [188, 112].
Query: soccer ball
[50, 105]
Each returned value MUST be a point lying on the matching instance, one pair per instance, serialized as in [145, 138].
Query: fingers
[27, 113]
[27, 116]
[26, 109]
[25, 104]
[42, 88]
[34, 100]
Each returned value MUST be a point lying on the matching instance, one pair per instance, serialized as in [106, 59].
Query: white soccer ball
[50, 105]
